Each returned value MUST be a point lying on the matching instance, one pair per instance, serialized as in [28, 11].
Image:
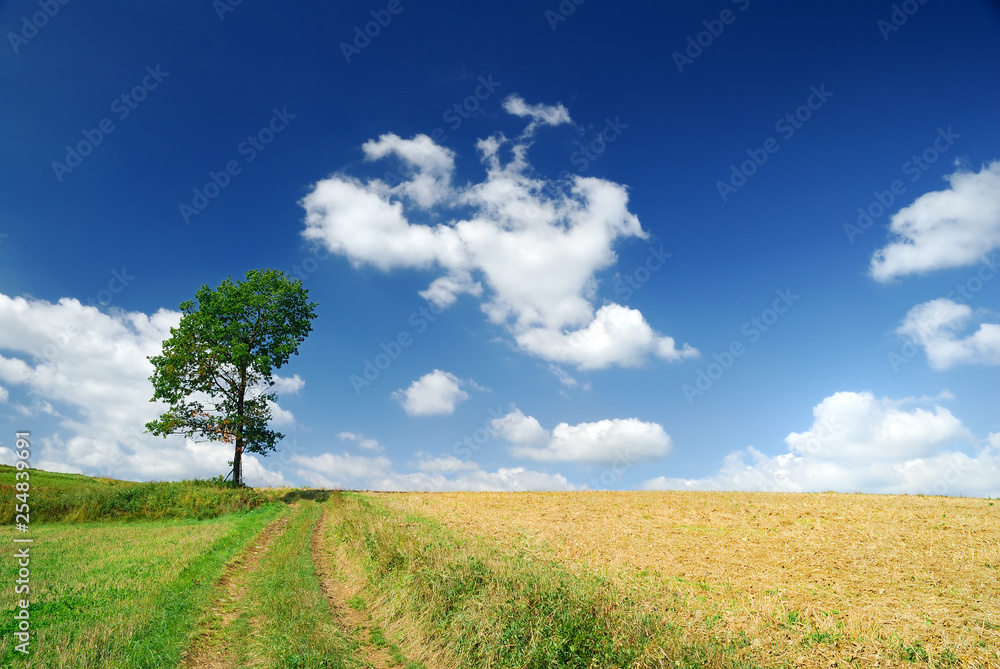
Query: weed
[913, 652]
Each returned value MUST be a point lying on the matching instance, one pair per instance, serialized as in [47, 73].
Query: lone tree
[216, 367]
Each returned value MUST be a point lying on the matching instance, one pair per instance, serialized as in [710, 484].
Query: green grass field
[120, 594]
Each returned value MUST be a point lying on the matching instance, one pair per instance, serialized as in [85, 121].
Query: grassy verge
[122, 595]
[284, 619]
[71, 497]
[485, 608]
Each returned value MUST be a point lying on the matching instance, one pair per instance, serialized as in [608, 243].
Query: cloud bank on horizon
[95, 386]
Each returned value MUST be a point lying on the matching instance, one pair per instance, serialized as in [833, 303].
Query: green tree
[215, 372]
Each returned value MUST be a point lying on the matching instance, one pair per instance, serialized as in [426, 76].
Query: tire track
[357, 623]
[210, 648]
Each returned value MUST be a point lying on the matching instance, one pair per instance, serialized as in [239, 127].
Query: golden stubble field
[813, 580]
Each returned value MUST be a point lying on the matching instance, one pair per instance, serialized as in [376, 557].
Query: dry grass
[812, 580]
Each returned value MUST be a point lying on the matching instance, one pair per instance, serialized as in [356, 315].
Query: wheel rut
[210, 648]
[358, 623]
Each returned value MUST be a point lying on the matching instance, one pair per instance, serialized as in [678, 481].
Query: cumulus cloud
[433, 166]
[858, 427]
[858, 443]
[942, 229]
[290, 385]
[617, 336]
[280, 417]
[88, 370]
[434, 393]
[599, 443]
[935, 327]
[519, 429]
[528, 248]
[444, 473]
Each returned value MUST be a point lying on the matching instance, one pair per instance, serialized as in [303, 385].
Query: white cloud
[617, 336]
[858, 443]
[290, 385]
[89, 371]
[540, 114]
[942, 229]
[330, 470]
[4, 394]
[279, 416]
[360, 222]
[935, 325]
[519, 429]
[504, 479]
[362, 442]
[445, 473]
[529, 249]
[599, 443]
[857, 427]
[433, 166]
[434, 393]
[444, 464]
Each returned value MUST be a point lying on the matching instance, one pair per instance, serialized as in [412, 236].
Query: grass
[284, 619]
[120, 594]
[55, 497]
[484, 608]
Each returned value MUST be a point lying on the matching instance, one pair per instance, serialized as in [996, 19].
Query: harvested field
[811, 580]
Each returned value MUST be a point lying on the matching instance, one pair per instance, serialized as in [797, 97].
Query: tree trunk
[238, 464]
[238, 458]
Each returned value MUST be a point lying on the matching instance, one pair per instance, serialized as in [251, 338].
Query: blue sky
[730, 245]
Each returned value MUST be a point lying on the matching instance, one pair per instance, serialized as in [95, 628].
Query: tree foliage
[216, 369]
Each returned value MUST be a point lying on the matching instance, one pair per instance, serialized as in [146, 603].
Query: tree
[216, 368]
